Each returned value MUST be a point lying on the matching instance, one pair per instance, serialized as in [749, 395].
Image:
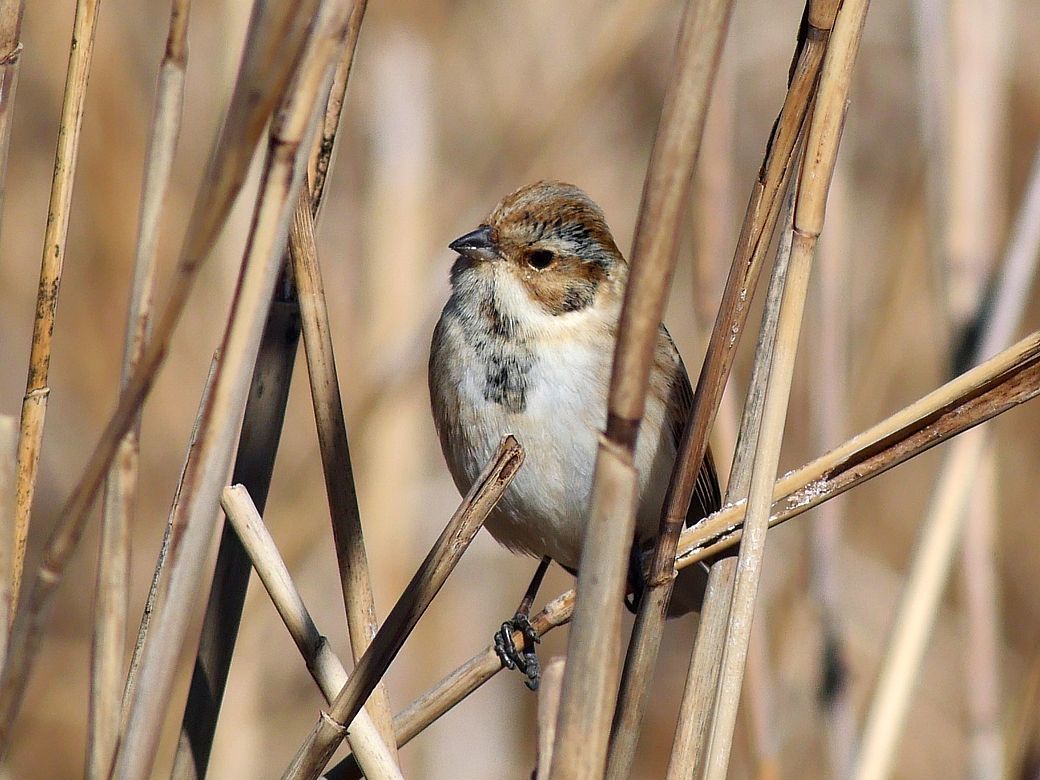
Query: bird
[524, 346]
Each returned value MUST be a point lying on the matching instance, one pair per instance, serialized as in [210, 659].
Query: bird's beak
[477, 245]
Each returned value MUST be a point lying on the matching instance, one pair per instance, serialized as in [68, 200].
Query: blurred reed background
[450, 106]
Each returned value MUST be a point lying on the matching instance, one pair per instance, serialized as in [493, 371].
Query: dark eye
[540, 258]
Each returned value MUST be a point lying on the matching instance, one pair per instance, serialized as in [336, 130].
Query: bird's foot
[526, 660]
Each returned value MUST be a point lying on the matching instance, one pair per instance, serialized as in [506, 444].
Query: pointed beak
[477, 245]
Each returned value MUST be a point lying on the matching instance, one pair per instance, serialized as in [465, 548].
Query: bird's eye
[540, 258]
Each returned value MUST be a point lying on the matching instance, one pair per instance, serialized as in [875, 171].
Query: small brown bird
[524, 345]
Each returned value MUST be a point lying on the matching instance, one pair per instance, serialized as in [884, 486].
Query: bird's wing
[707, 496]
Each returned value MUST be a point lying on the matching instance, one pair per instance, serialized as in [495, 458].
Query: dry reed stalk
[590, 679]
[355, 580]
[11, 12]
[37, 391]
[759, 221]
[829, 415]
[549, 689]
[977, 207]
[254, 463]
[273, 42]
[447, 551]
[164, 547]
[8, 454]
[374, 756]
[702, 677]
[821, 151]
[946, 517]
[283, 172]
[992, 388]
[113, 573]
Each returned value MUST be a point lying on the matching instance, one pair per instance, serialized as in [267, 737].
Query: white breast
[545, 509]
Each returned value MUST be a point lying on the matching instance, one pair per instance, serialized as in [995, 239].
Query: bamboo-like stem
[821, 150]
[590, 678]
[829, 422]
[113, 573]
[977, 205]
[375, 757]
[992, 388]
[759, 221]
[11, 12]
[286, 162]
[549, 690]
[447, 551]
[702, 676]
[164, 547]
[37, 391]
[8, 450]
[254, 464]
[946, 517]
[355, 580]
[275, 37]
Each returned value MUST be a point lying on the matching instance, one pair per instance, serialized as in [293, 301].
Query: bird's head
[547, 249]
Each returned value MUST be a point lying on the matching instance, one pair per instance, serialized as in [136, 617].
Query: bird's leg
[527, 659]
[636, 578]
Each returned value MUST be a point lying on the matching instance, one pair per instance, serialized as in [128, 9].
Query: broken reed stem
[37, 391]
[759, 220]
[447, 551]
[992, 388]
[945, 520]
[703, 674]
[164, 548]
[374, 756]
[355, 580]
[590, 679]
[113, 574]
[11, 12]
[254, 464]
[8, 454]
[821, 150]
[283, 172]
[274, 39]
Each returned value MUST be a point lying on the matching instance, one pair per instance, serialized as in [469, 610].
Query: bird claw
[526, 661]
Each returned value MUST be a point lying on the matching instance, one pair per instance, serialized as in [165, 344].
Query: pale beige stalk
[37, 391]
[275, 37]
[549, 689]
[8, 454]
[447, 551]
[946, 517]
[759, 221]
[821, 150]
[976, 202]
[11, 12]
[164, 547]
[375, 758]
[254, 464]
[591, 675]
[283, 174]
[355, 580]
[703, 674]
[113, 574]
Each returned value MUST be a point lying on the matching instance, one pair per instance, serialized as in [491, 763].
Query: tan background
[451, 105]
